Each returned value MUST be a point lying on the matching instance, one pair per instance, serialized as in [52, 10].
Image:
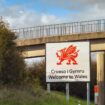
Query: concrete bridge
[36, 47]
[31, 42]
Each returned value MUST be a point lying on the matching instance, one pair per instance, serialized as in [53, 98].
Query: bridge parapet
[61, 29]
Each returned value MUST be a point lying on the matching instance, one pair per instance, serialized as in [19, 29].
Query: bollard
[79, 103]
[96, 94]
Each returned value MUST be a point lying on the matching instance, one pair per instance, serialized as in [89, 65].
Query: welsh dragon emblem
[70, 54]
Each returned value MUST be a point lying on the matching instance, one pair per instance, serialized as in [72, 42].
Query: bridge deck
[36, 47]
[76, 37]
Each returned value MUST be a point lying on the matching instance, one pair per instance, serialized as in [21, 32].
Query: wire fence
[61, 29]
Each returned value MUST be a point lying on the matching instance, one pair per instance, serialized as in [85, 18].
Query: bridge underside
[31, 48]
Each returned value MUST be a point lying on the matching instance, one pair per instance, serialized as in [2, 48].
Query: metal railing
[61, 29]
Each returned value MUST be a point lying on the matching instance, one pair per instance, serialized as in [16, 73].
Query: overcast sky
[28, 13]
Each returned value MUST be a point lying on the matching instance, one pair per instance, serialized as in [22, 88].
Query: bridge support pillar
[101, 77]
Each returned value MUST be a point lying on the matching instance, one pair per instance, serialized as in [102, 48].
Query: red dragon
[70, 54]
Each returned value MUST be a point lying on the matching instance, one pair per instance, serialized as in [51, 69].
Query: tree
[12, 66]
[36, 74]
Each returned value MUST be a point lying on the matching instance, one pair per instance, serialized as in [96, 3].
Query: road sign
[68, 62]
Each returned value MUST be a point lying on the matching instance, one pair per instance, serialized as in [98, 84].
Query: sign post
[48, 88]
[68, 62]
[67, 92]
[88, 93]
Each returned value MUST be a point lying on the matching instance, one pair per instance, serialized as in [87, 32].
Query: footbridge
[31, 42]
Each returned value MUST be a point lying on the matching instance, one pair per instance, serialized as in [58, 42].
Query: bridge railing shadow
[61, 29]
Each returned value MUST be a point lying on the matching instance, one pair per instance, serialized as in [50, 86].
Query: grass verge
[12, 96]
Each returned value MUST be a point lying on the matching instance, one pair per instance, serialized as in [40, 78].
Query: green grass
[35, 97]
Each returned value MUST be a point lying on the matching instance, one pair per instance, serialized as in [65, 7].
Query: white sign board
[68, 62]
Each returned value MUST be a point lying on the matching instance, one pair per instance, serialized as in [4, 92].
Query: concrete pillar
[101, 77]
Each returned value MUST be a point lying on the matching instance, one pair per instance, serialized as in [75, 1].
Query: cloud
[86, 9]
[24, 18]
[31, 18]
[93, 2]
[18, 16]
[27, 19]
[91, 14]
[75, 4]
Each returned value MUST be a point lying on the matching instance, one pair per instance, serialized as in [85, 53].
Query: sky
[29, 13]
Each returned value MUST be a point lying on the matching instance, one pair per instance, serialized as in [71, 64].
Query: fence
[61, 29]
